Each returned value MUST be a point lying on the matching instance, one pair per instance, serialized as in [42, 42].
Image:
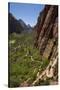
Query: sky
[27, 12]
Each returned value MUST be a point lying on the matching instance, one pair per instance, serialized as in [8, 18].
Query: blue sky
[27, 12]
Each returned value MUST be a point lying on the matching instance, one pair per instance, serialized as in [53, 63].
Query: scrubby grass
[24, 59]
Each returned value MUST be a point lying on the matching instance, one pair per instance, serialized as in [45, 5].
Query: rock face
[47, 32]
[47, 42]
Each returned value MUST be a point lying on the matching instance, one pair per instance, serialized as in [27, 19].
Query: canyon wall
[47, 32]
[47, 42]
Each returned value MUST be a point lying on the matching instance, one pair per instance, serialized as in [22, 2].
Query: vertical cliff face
[47, 42]
[47, 32]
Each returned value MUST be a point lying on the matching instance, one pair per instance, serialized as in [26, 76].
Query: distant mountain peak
[22, 23]
[17, 25]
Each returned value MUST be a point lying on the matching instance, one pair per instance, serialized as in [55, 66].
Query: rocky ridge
[17, 26]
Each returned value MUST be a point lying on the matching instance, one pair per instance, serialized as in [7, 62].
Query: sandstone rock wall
[47, 32]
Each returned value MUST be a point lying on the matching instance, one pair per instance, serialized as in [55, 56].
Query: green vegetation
[24, 59]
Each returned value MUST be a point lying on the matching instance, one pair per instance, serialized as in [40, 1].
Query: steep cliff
[47, 40]
[47, 32]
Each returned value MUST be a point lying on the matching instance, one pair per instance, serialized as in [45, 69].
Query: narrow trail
[47, 73]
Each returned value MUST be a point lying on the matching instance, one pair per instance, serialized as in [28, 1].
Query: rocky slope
[17, 26]
[14, 25]
[47, 39]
